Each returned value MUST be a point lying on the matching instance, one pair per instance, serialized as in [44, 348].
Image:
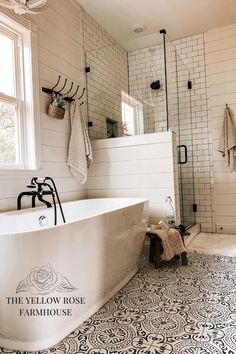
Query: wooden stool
[156, 249]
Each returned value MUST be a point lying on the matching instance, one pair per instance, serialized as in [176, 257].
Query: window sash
[26, 96]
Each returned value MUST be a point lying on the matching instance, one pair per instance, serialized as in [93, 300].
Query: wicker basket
[56, 112]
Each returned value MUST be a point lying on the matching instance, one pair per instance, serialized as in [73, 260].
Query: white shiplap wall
[221, 82]
[136, 166]
[60, 52]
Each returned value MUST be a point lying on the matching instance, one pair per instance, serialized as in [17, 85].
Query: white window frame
[138, 109]
[27, 93]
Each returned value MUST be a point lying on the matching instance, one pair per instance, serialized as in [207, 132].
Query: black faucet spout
[48, 204]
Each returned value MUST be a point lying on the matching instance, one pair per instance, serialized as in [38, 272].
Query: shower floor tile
[172, 310]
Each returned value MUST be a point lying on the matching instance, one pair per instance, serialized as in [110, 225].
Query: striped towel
[171, 241]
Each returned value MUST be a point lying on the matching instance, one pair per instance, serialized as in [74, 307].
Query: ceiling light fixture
[21, 7]
[138, 28]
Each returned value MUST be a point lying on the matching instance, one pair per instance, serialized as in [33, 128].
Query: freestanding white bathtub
[52, 278]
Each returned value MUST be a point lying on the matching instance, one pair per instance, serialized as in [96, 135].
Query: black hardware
[163, 31]
[189, 85]
[40, 184]
[194, 207]
[185, 154]
[70, 88]
[155, 85]
[33, 194]
[63, 86]
[82, 94]
[70, 99]
[87, 69]
[59, 78]
[90, 124]
[59, 92]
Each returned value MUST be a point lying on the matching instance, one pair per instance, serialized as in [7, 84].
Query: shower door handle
[179, 147]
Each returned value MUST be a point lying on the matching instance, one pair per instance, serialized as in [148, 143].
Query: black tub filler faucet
[42, 186]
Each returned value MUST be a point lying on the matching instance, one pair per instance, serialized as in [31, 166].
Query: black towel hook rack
[52, 90]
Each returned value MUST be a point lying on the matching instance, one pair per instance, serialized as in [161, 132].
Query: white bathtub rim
[51, 342]
[138, 201]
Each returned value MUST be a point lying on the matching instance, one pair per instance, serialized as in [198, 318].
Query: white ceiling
[180, 18]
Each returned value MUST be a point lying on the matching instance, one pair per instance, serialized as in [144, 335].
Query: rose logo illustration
[44, 280]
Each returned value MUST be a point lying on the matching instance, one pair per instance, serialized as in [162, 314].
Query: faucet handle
[31, 185]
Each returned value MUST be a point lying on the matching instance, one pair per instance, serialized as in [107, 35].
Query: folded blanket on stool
[171, 241]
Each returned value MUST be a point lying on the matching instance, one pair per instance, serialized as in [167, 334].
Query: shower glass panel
[180, 121]
[106, 79]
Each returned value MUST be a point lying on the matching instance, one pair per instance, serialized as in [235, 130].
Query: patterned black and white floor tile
[172, 310]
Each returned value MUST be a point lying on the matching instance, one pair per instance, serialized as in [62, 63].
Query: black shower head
[155, 85]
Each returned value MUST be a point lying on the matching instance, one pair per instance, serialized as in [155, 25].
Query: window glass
[7, 65]
[8, 134]
[132, 115]
[128, 118]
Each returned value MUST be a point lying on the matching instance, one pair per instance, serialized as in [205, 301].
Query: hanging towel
[171, 241]
[227, 145]
[80, 154]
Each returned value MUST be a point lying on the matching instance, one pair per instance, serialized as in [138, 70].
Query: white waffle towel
[227, 145]
[80, 154]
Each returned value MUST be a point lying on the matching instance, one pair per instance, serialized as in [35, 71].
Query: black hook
[63, 86]
[75, 92]
[82, 94]
[70, 88]
[59, 78]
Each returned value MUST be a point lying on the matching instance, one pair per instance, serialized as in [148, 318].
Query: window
[132, 115]
[18, 101]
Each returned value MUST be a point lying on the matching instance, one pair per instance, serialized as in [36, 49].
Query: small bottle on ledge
[170, 213]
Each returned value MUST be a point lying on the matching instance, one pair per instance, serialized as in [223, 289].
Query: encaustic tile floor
[172, 310]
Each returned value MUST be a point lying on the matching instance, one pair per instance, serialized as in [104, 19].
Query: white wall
[136, 166]
[221, 83]
[59, 52]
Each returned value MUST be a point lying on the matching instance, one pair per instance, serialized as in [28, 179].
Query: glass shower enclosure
[179, 119]
[162, 86]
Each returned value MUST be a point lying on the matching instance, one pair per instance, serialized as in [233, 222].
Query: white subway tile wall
[108, 76]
